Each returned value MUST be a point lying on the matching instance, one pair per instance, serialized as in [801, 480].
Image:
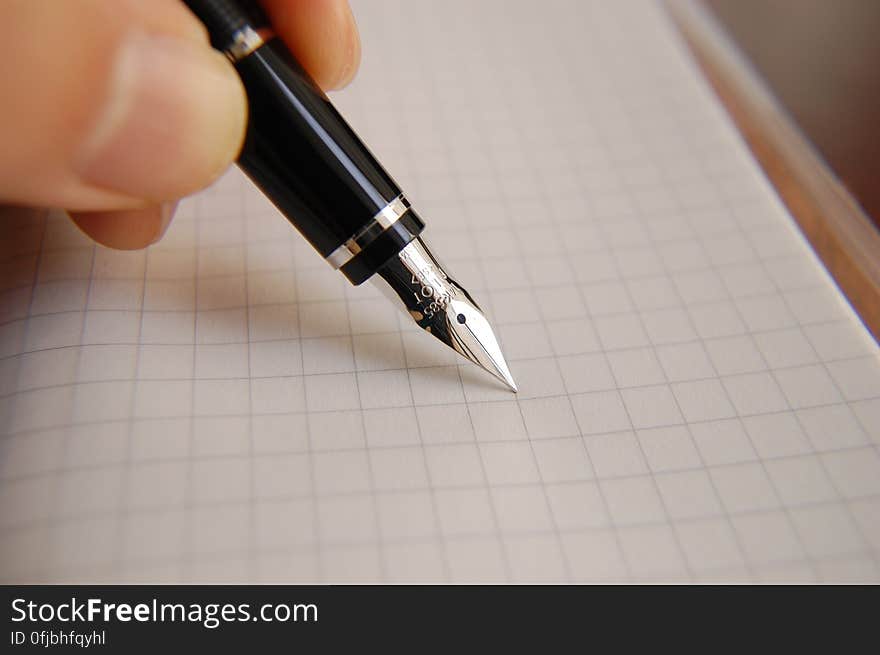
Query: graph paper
[697, 400]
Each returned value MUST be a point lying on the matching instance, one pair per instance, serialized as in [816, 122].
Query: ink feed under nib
[441, 306]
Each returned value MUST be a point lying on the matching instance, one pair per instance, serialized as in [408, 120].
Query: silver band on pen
[384, 218]
[245, 41]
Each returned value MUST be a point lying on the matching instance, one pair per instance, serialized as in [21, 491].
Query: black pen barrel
[225, 18]
[303, 155]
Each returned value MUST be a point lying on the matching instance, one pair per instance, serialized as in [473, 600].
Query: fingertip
[116, 104]
[351, 61]
[323, 36]
[130, 229]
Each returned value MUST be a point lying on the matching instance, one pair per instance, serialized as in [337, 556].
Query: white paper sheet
[697, 400]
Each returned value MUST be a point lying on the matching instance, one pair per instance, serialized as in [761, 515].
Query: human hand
[115, 109]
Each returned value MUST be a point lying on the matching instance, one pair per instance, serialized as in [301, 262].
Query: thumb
[111, 104]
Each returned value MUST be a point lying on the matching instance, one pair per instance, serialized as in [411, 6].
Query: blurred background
[820, 58]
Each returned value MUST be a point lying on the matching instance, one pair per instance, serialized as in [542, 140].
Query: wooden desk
[820, 58]
[838, 228]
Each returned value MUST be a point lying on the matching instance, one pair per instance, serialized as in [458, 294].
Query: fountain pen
[313, 167]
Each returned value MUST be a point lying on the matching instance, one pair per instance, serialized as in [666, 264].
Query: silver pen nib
[442, 307]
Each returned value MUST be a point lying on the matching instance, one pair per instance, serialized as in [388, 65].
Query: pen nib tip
[498, 366]
[443, 308]
[472, 336]
[510, 383]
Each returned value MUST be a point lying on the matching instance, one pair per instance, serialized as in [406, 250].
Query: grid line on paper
[418, 365]
[319, 564]
[383, 563]
[441, 537]
[57, 489]
[110, 515]
[188, 540]
[50, 473]
[121, 535]
[707, 305]
[488, 259]
[253, 526]
[565, 559]
[546, 503]
[772, 571]
[776, 412]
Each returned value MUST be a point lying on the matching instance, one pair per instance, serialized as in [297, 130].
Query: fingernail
[126, 229]
[166, 213]
[352, 52]
[172, 121]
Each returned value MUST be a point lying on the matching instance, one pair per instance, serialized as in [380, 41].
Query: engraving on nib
[442, 307]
